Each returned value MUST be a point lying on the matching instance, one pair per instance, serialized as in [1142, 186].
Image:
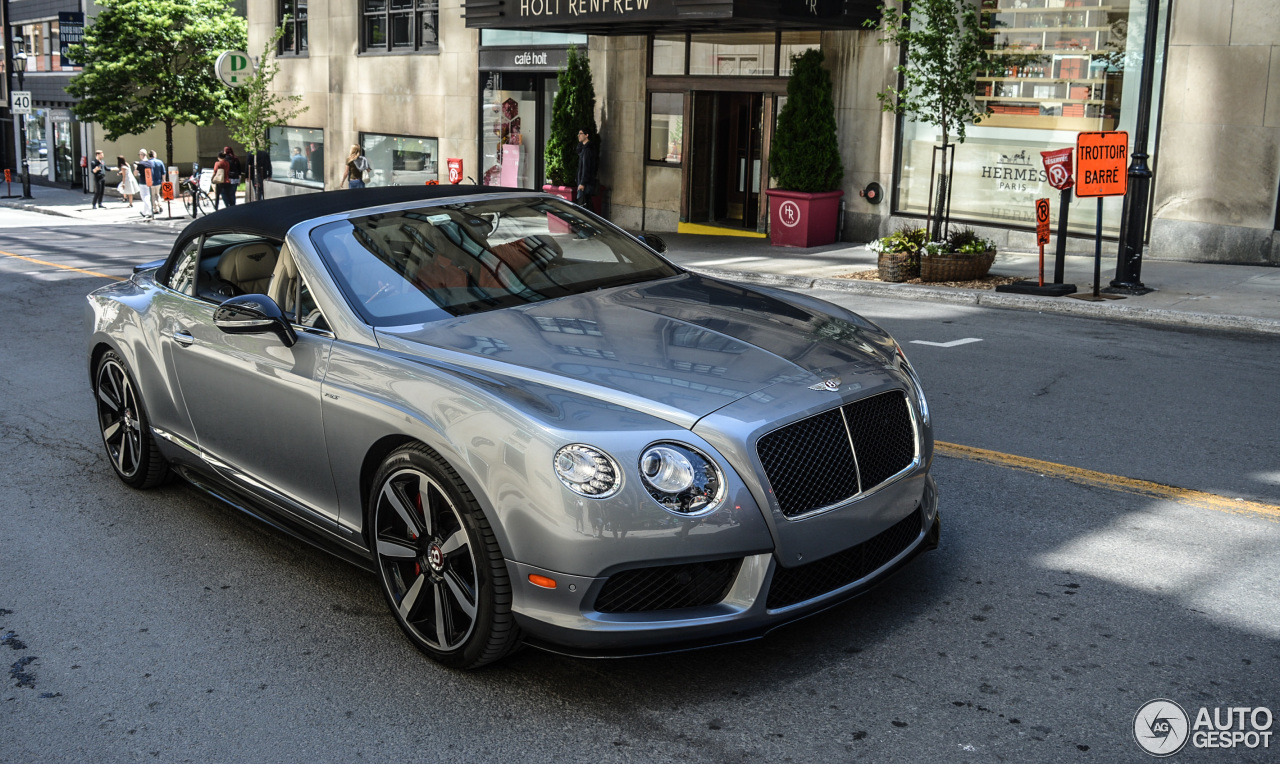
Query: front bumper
[562, 619]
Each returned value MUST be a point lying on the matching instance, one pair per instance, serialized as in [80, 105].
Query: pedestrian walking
[224, 192]
[588, 166]
[143, 170]
[357, 168]
[128, 181]
[158, 171]
[99, 170]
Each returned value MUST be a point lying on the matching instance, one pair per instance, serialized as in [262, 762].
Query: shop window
[293, 14]
[400, 26]
[668, 54]
[1060, 67]
[793, 44]
[666, 127]
[742, 54]
[297, 156]
[522, 38]
[400, 160]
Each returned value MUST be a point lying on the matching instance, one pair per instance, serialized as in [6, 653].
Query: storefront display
[297, 156]
[1060, 67]
[399, 160]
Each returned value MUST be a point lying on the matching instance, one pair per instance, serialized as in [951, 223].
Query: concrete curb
[1110, 311]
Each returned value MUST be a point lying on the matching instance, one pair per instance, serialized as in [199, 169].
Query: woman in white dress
[128, 183]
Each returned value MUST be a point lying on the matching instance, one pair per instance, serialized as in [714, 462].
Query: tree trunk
[168, 143]
[942, 218]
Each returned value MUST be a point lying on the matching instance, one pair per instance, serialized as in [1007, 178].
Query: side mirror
[654, 241]
[254, 314]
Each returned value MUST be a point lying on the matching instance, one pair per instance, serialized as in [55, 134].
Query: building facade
[688, 96]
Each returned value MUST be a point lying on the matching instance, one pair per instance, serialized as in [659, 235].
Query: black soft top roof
[272, 218]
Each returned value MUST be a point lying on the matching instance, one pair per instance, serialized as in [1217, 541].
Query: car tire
[124, 425]
[442, 572]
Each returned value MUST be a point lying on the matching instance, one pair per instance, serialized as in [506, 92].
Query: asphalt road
[164, 626]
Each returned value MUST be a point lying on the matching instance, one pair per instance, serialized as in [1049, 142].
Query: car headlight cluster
[681, 479]
[587, 471]
[907, 369]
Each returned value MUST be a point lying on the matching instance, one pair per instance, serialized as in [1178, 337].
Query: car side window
[308, 312]
[183, 278]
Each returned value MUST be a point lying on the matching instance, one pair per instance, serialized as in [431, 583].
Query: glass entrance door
[726, 158]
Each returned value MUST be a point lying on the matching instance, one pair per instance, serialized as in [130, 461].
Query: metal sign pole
[1097, 296]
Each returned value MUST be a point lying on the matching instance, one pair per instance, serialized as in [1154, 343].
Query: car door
[254, 403]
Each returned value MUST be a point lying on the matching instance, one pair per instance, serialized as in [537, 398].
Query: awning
[637, 17]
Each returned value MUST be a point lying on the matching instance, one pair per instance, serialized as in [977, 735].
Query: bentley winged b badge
[830, 385]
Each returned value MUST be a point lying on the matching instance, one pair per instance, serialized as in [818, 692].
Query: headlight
[587, 471]
[681, 479]
[907, 369]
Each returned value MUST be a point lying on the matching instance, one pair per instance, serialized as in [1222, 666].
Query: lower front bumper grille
[668, 587]
[792, 585]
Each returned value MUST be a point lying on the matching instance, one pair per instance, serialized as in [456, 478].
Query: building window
[666, 127]
[40, 42]
[735, 54]
[293, 14]
[522, 38]
[668, 54]
[1061, 68]
[741, 54]
[297, 156]
[399, 160]
[400, 26]
[793, 44]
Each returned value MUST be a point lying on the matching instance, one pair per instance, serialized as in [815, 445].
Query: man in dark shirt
[588, 166]
[99, 170]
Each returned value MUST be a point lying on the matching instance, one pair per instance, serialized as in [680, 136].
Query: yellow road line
[1110, 482]
[63, 267]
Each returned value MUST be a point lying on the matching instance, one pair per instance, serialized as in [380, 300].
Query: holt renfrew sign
[632, 16]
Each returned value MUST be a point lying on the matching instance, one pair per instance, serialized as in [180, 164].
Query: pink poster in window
[511, 166]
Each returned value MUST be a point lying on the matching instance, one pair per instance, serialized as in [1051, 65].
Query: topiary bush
[575, 106]
[806, 152]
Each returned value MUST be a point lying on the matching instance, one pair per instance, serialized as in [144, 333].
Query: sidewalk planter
[897, 267]
[799, 219]
[956, 267]
[564, 192]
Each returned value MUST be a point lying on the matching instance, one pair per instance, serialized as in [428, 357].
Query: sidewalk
[74, 203]
[1203, 295]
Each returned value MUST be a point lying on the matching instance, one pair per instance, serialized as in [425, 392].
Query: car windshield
[429, 263]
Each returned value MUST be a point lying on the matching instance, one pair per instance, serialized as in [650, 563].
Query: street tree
[148, 62]
[946, 48]
[257, 107]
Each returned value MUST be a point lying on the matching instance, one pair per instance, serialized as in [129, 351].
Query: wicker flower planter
[898, 266]
[956, 267]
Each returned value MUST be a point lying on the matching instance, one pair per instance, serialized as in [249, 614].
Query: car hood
[679, 348]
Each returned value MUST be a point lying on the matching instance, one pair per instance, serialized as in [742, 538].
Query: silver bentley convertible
[528, 423]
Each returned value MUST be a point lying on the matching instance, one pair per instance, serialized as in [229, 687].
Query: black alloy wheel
[126, 431]
[441, 569]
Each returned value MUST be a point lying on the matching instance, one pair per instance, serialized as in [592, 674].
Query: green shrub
[806, 153]
[575, 106]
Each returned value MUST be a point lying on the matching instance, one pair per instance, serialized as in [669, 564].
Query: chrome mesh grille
[792, 585]
[815, 462]
[668, 587]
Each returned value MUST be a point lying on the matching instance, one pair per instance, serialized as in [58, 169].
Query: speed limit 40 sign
[21, 102]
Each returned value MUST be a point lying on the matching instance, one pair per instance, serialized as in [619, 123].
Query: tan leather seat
[248, 266]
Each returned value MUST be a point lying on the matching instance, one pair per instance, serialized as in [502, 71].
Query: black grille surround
[835, 455]
[668, 587]
[798, 584]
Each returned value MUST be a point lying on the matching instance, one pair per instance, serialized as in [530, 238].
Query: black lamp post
[1133, 226]
[20, 66]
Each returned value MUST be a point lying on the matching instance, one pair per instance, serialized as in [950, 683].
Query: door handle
[183, 337]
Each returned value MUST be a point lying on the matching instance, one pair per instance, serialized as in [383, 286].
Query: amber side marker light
[543, 581]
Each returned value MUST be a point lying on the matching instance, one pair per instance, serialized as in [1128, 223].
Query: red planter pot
[797, 219]
[564, 192]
